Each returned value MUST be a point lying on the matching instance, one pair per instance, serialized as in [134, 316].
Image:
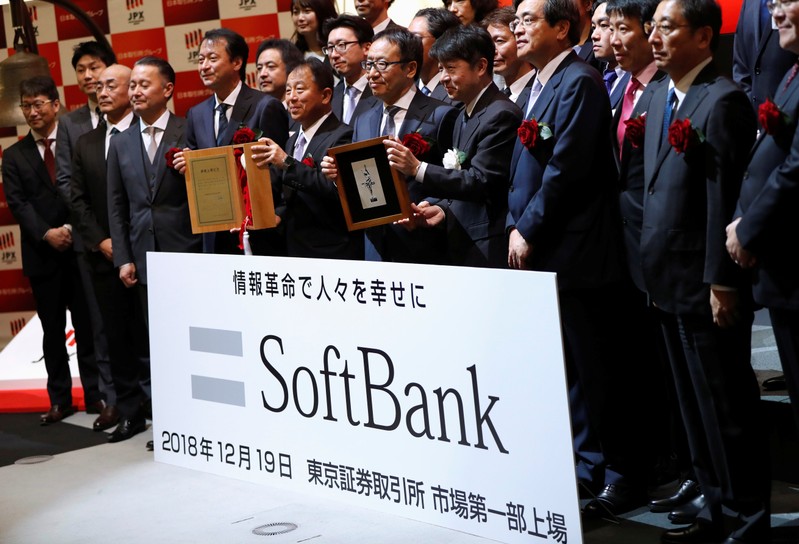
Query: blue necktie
[671, 100]
[609, 76]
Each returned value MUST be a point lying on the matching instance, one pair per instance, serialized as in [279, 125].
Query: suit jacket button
[757, 71]
[510, 189]
[651, 191]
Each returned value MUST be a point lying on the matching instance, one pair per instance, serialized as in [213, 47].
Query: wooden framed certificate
[371, 192]
[215, 192]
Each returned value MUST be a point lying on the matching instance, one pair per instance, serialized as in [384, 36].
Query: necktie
[152, 147]
[299, 147]
[671, 102]
[627, 105]
[792, 75]
[506, 91]
[426, 91]
[349, 103]
[114, 130]
[49, 158]
[609, 75]
[222, 109]
[100, 117]
[534, 92]
[389, 128]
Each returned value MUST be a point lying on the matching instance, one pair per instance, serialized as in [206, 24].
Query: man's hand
[424, 216]
[127, 273]
[742, 257]
[400, 157]
[725, 307]
[179, 161]
[59, 238]
[268, 153]
[106, 249]
[519, 251]
[329, 169]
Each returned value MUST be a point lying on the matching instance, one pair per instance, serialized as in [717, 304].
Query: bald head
[112, 92]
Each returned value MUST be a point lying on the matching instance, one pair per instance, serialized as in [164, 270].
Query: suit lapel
[464, 136]
[241, 111]
[31, 152]
[415, 115]
[319, 138]
[171, 138]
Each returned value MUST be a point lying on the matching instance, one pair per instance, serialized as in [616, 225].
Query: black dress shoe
[687, 512]
[688, 491]
[614, 499]
[107, 419]
[56, 413]
[95, 407]
[697, 533]
[127, 428]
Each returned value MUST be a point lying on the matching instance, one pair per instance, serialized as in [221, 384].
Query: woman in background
[471, 11]
[308, 17]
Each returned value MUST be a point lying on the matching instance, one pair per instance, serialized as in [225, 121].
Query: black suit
[433, 120]
[365, 102]
[312, 216]
[688, 201]
[38, 206]
[260, 112]
[475, 197]
[767, 205]
[128, 341]
[758, 61]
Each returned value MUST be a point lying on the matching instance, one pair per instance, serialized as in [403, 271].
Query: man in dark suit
[562, 204]
[147, 205]
[393, 62]
[518, 74]
[376, 14]
[348, 39]
[638, 377]
[584, 46]
[128, 342]
[88, 59]
[765, 214]
[48, 259]
[758, 61]
[691, 185]
[472, 196]
[214, 121]
[615, 77]
[274, 61]
[312, 216]
[429, 24]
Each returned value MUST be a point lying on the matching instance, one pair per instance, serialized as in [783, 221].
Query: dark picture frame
[371, 192]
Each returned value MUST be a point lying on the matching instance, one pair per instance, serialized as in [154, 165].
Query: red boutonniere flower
[531, 131]
[416, 143]
[771, 117]
[636, 126]
[244, 135]
[683, 136]
[170, 157]
[309, 162]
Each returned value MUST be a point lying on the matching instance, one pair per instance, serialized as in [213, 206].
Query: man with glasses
[517, 74]
[48, 259]
[348, 39]
[562, 211]
[765, 217]
[699, 129]
[392, 66]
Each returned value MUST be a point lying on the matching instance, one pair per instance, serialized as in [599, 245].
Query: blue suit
[255, 110]
[433, 120]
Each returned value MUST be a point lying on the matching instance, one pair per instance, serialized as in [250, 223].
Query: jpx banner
[435, 393]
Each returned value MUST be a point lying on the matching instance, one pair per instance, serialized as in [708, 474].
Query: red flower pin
[416, 143]
[771, 117]
[683, 136]
[244, 135]
[309, 162]
[531, 131]
[636, 126]
[170, 157]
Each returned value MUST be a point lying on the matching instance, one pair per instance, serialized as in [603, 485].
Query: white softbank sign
[434, 393]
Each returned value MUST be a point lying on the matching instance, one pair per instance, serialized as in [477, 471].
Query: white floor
[117, 493]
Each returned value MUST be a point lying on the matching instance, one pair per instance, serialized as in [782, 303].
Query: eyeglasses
[38, 105]
[527, 22]
[664, 29]
[380, 65]
[778, 4]
[341, 47]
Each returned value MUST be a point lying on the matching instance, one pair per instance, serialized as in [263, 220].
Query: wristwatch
[288, 161]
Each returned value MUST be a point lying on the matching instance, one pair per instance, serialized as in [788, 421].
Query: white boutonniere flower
[453, 159]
